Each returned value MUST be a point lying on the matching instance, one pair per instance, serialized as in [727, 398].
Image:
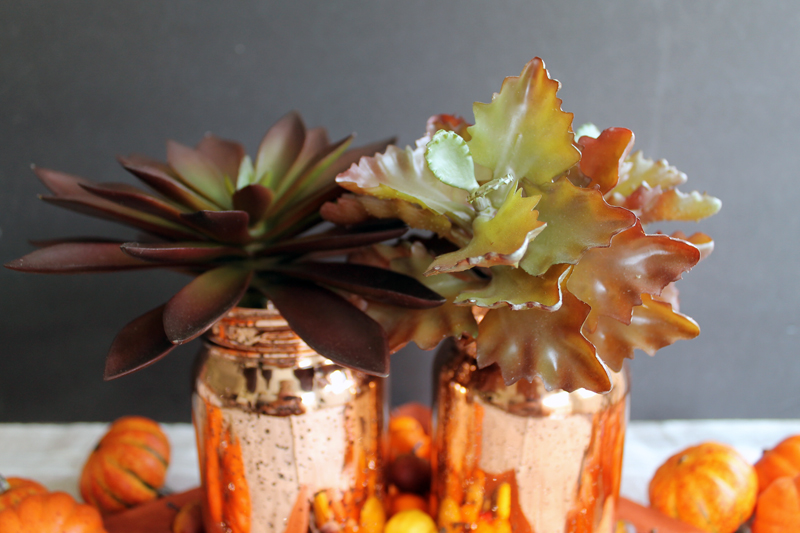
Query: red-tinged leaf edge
[329, 324]
[224, 226]
[373, 283]
[78, 258]
[253, 200]
[134, 198]
[203, 301]
[159, 178]
[139, 344]
[180, 252]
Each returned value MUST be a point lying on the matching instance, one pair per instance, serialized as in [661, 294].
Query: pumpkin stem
[4, 484]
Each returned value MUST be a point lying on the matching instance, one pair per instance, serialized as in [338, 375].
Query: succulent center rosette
[244, 229]
[546, 230]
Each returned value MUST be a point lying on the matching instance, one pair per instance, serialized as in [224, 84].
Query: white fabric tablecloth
[54, 454]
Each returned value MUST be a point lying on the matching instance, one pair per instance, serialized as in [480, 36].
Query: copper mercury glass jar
[558, 453]
[277, 422]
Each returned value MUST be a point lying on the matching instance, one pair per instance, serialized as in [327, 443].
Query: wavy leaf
[404, 175]
[224, 226]
[452, 123]
[197, 171]
[139, 344]
[78, 258]
[181, 252]
[345, 211]
[611, 280]
[602, 157]
[330, 325]
[159, 177]
[577, 220]
[449, 159]
[203, 301]
[523, 131]
[280, 148]
[653, 326]
[254, 200]
[369, 282]
[675, 205]
[703, 242]
[226, 155]
[640, 170]
[546, 344]
[512, 287]
[499, 239]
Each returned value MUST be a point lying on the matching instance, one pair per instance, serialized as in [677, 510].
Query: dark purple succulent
[242, 228]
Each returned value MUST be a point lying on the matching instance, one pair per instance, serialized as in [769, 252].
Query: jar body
[277, 423]
[558, 454]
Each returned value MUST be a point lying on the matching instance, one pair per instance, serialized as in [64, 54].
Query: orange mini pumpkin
[778, 507]
[15, 489]
[781, 461]
[52, 512]
[127, 467]
[709, 486]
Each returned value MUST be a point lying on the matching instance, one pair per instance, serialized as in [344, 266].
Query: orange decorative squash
[709, 486]
[781, 461]
[128, 466]
[53, 512]
[15, 489]
[778, 507]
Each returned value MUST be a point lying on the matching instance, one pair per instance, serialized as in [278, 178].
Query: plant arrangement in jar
[535, 235]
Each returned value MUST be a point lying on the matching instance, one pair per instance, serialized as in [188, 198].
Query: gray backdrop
[714, 87]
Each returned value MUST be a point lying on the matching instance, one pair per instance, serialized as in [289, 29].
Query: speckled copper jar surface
[560, 452]
[277, 422]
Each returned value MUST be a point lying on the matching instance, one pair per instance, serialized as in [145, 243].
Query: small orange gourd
[52, 512]
[778, 507]
[128, 466]
[709, 486]
[781, 461]
[15, 489]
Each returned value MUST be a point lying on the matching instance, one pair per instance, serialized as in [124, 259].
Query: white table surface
[54, 454]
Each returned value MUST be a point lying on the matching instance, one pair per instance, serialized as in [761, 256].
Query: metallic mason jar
[544, 461]
[278, 423]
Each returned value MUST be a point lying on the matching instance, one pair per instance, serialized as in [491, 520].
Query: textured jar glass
[559, 453]
[276, 422]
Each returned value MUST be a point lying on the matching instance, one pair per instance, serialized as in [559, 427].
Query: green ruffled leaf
[546, 344]
[499, 239]
[513, 288]
[449, 159]
[523, 131]
[577, 220]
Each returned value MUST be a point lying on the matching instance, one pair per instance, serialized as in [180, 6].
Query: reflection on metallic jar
[523, 458]
[275, 421]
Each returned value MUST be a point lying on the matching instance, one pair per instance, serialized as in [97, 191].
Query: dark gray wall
[714, 87]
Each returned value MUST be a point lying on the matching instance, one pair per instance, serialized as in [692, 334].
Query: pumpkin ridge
[108, 492]
[153, 452]
[134, 477]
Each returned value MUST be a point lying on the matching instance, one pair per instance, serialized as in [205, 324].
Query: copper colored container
[559, 453]
[275, 421]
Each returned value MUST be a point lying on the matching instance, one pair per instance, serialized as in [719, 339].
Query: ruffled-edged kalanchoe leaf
[654, 325]
[612, 280]
[655, 205]
[577, 219]
[425, 327]
[602, 157]
[642, 170]
[236, 224]
[523, 131]
[514, 288]
[538, 343]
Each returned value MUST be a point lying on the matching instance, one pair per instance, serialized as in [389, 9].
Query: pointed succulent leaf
[654, 325]
[330, 325]
[452, 123]
[369, 282]
[61, 183]
[180, 252]
[246, 175]
[546, 344]
[279, 148]
[226, 155]
[44, 243]
[198, 172]
[499, 239]
[449, 159]
[158, 177]
[611, 280]
[139, 344]
[316, 142]
[703, 242]
[675, 205]
[404, 175]
[369, 232]
[129, 196]
[302, 216]
[203, 301]
[514, 288]
[523, 131]
[78, 258]
[577, 219]
[602, 156]
[223, 226]
[253, 200]
[641, 170]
